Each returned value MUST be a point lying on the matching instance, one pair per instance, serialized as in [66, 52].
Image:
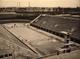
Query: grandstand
[59, 24]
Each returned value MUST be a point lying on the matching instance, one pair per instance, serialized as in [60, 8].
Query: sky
[39, 3]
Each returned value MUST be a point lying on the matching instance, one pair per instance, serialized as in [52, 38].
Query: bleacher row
[58, 24]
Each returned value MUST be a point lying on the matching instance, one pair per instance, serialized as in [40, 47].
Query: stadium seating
[59, 24]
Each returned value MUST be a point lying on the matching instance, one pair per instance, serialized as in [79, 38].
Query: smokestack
[29, 4]
[18, 4]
